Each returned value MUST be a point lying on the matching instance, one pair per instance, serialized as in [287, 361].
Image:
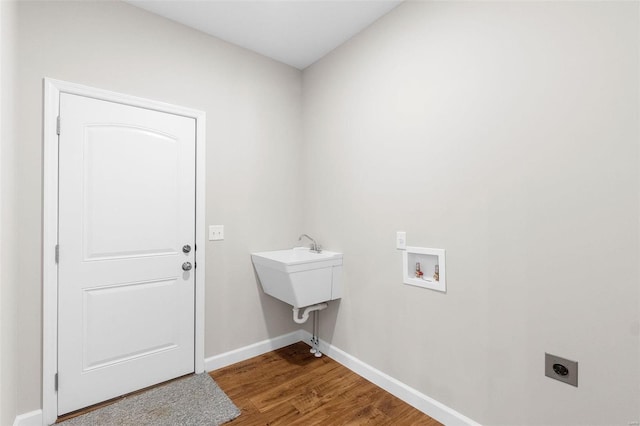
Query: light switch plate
[216, 232]
[401, 240]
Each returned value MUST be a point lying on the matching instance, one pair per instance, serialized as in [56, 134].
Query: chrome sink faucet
[315, 247]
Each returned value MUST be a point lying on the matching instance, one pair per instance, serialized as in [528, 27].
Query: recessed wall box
[424, 267]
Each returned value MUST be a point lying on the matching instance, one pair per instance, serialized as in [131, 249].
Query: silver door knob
[186, 266]
[186, 248]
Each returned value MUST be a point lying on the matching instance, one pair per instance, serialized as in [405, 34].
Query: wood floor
[290, 386]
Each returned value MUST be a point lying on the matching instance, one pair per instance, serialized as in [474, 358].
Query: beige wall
[8, 235]
[507, 134]
[253, 134]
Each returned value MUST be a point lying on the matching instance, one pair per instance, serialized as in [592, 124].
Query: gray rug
[194, 400]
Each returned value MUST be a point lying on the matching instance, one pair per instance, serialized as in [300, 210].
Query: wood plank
[292, 387]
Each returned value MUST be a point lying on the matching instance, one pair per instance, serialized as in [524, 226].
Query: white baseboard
[422, 402]
[32, 418]
[241, 354]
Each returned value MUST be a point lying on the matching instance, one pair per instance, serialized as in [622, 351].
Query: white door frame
[52, 91]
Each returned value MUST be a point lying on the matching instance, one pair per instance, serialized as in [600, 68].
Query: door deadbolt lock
[186, 266]
[560, 369]
[186, 248]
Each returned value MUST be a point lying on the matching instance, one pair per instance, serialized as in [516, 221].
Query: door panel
[152, 332]
[127, 206]
[125, 224]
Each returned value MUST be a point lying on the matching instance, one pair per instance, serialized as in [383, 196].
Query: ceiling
[296, 32]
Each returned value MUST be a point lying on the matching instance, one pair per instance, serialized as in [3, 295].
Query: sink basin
[299, 276]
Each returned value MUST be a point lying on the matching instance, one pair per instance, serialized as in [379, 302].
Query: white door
[126, 215]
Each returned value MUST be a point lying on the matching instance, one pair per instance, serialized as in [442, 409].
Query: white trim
[32, 418]
[200, 261]
[247, 352]
[422, 402]
[418, 254]
[49, 240]
[52, 90]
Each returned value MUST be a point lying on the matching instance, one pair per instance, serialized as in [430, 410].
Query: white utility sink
[299, 276]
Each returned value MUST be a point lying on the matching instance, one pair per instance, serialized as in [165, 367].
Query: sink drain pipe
[307, 310]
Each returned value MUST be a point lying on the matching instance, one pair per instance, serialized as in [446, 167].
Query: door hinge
[58, 126]
[55, 382]
[57, 253]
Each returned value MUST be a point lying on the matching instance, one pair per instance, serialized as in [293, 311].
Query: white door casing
[128, 202]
